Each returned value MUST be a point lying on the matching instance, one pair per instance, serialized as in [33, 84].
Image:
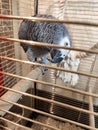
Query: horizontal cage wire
[66, 95]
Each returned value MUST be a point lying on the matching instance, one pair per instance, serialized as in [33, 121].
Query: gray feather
[48, 32]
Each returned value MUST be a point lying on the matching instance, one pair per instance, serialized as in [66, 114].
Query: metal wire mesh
[6, 48]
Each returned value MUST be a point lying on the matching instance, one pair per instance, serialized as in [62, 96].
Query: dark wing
[48, 32]
[23, 33]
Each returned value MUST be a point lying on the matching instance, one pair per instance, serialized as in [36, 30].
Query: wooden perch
[23, 86]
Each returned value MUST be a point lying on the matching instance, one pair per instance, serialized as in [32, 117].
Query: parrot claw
[44, 61]
[49, 60]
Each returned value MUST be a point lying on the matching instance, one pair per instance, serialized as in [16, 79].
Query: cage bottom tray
[54, 123]
[65, 112]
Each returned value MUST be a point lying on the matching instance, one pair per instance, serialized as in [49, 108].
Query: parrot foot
[44, 61]
[43, 70]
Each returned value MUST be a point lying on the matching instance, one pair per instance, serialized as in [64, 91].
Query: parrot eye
[66, 44]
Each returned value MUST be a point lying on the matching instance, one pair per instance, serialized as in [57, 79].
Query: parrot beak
[57, 60]
[56, 56]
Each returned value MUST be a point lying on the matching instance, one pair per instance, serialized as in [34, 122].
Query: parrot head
[58, 55]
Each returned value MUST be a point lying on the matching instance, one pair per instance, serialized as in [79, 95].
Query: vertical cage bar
[35, 84]
[91, 105]
[35, 7]
[91, 108]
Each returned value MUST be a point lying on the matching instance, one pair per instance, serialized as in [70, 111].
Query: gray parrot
[47, 32]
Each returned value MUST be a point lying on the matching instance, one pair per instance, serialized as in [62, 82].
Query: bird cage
[66, 95]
